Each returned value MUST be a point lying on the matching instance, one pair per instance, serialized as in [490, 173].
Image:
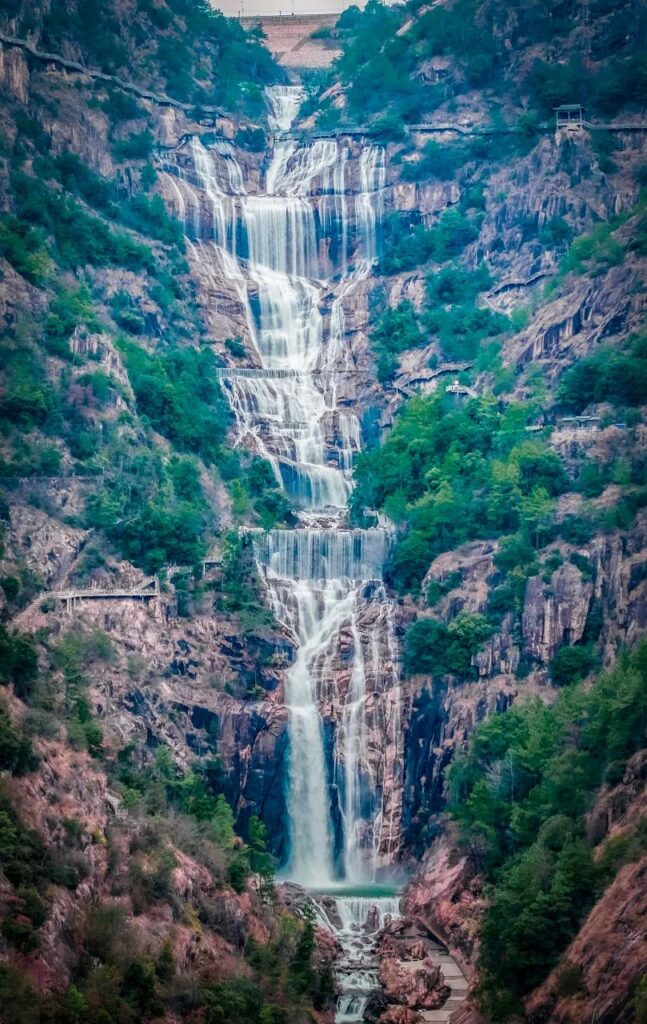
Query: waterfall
[290, 256]
[323, 579]
[356, 922]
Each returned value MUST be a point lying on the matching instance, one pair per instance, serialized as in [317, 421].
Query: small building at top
[569, 116]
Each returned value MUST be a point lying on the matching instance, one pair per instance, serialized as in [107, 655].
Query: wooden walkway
[405, 385]
[430, 128]
[147, 590]
[458, 986]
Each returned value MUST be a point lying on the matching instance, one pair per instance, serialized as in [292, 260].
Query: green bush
[447, 474]
[436, 161]
[434, 648]
[406, 244]
[137, 146]
[451, 312]
[594, 252]
[570, 665]
[18, 661]
[145, 513]
[16, 754]
[608, 375]
[395, 331]
[80, 238]
[69, 309]
[178, 392]
[25, 248]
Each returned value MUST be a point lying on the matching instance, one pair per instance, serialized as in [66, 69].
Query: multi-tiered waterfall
[291, 255]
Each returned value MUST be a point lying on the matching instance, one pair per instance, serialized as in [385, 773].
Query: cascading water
[357, 922]
[323, 579]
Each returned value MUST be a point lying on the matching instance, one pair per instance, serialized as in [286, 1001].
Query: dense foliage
[186, 48]
[385, 64]
[519, 794]
[433, 648]
[449, 473]
[611, 375]
[178, 392]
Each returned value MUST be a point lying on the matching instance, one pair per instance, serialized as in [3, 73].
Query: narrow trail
[72, 65]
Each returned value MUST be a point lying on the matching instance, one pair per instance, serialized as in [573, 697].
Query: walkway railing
[147, 590]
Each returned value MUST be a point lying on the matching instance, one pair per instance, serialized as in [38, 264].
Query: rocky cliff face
[197, 658]
[196, 684]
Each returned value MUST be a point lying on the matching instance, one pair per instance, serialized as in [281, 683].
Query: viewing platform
[456, 388]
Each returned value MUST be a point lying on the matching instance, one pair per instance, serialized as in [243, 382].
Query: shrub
[431, 647]
[69, 309]
[607, 375]
[179, 393]
[570, 665]
[436, 161]
[395, 331]
[24, 248]
[80, 237]
[137, 146]
[18, 661]
[16, 754]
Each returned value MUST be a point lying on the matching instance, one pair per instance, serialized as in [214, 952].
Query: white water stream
[312, 231]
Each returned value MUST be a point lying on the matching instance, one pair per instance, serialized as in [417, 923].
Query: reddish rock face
[399, 1015]
[418, 986]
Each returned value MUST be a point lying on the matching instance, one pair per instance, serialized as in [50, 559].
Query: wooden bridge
[147, 590]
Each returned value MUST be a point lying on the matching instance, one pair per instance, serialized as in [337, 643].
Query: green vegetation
[16, 755]
[384, 67]
[150, 507]
[408, 246]
[178, 392]
[594, 252]
[519, 794]
[609, 374]
[394, 331]
[379, 66]
[571, 664]
[240, 591]
[436, 161]
[146, 500]
[138, 146]
[24, 248]
[72, 656]
[433, 648]
[447, 474]
[451, 312]
[201, 56]
[18, 661]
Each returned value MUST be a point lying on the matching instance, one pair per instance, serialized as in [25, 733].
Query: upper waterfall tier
[322, 554]
[284, 102]
[318, 217]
